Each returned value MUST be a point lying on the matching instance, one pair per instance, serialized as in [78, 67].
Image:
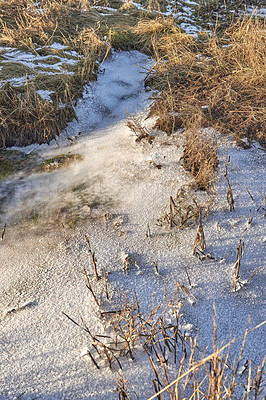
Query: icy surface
[44, 355]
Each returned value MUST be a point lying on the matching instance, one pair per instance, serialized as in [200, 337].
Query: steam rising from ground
[118, 91]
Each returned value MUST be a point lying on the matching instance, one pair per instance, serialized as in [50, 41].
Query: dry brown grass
[135, 125]
[156, 36]
[220, 79]
[26, 118]
[181, 211]
[200, 157]
[26, 23]
[211, 377]
[22, 25]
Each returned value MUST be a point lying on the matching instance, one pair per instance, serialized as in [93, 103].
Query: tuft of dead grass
[26, 118]
[155, 36]
[200, 157]
[23, 25]
[211, 377]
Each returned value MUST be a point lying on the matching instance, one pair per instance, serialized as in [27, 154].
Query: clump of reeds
[135, 125]
[200, 157]
[129, 327]
[179, 213]
[126, 326]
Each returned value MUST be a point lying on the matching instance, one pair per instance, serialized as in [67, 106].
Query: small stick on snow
[171, 210]
[148, 231]
[105, 283]
[199, 239]
[257, 270]
[90, 288]
[249, 194]
[189, 281]
[262, 203]
[93, 360]
[249, 218]
[4, 232]
[156, 267]
[93, 258]
[240, 252]
[230, 197]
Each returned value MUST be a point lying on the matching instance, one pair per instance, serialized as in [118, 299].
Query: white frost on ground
[42, 353]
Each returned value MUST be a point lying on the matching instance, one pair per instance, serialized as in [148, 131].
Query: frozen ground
[113, 193]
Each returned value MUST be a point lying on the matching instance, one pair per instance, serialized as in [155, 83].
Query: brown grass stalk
[229, 194]
[205, 360]
[240, 252]
[93, 259]
[200, 237]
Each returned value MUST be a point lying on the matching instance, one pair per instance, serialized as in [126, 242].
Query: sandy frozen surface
[112, 194]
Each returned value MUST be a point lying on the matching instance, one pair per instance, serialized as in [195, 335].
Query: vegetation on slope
[217, 80]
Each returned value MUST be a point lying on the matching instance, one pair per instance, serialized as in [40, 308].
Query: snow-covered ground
[114, 192]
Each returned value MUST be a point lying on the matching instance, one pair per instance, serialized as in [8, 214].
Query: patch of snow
[35, 61]
[103, 8]
[258, 11]
[45, 94]
[57, 46]
[17, 81]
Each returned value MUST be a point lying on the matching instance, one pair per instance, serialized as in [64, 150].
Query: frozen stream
[112, 194]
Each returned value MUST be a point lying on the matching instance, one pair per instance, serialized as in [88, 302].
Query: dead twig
[240, 252]
[188, 278]
[156, 267]
[93, 258]
[229, 195]
[262, 203]
[122, 388]
[90, 288]
[199, 239]
[148, 231]
[105, 275]
[140, 131]
[3, 232]
[249, 194]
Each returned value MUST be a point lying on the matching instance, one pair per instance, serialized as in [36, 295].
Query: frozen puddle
[113, 194]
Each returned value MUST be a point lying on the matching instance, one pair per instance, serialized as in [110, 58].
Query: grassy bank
[215, 80]
[53, 47]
